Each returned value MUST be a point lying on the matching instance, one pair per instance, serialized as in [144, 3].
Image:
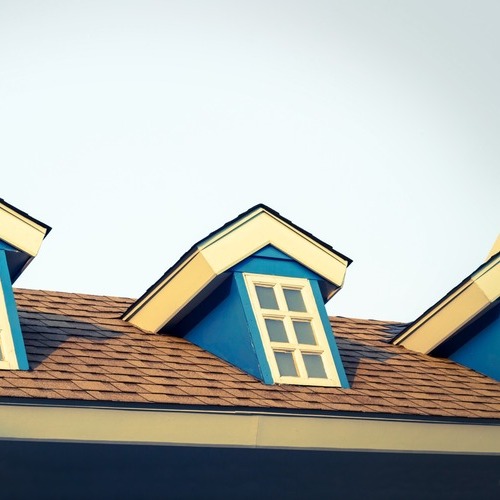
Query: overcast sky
[136, 128]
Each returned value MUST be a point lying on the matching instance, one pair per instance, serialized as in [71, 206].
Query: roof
[80, 350]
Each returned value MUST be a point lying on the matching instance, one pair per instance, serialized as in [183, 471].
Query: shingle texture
[79, 349]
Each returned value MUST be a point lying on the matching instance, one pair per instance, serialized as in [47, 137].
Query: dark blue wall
[219, 325]
[45, 470]
[480, 349]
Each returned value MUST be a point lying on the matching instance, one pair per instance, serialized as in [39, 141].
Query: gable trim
[21, 230]
[462, 305]
[197, 271]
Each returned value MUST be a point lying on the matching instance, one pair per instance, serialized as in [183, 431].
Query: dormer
[20, 239]
[253, 293]
[465, 324]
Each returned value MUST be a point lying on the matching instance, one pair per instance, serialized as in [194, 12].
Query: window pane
[304, 332]
[294, 300]
[267, 299]
[276, 330]
[314, 365]
[286, 364]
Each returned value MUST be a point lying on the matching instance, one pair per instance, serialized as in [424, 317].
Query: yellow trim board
[19, 231]
[218, 253]
[470, 299]
[255, 430]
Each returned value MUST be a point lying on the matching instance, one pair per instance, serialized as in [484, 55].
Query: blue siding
[267, 376]
[10, 303]
[219, 325]
[6, 246]
[269, 260]
[481, 348]
[272, 252]
[225, 325]
[330, 335]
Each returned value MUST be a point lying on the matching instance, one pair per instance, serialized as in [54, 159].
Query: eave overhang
[245, 429]
[462, 305]
[23, 233]
[201, 269]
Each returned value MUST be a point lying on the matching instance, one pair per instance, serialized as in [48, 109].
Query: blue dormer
[253, 293]
[20, 239]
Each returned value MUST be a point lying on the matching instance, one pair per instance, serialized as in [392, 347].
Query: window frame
[312, 315]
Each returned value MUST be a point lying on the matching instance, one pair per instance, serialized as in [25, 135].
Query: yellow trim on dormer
[168, 298]
[262, 228]
[220, 252]
[19, 231]
[470, 299]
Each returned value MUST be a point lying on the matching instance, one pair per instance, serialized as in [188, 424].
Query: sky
[135, 128]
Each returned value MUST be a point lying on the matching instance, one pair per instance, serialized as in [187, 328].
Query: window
[292, 332]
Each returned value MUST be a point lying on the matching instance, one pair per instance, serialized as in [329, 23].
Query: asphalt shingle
[79, 349]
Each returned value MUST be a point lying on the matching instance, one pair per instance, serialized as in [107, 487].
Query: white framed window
[291, 329]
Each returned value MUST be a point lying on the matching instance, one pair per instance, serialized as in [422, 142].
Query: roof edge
[48, 228]
[195, 250]
[477, 291]
[259, 430]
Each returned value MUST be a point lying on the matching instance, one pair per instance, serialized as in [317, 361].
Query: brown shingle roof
[79, 349]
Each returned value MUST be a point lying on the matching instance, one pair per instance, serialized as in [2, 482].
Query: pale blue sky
[136, 128]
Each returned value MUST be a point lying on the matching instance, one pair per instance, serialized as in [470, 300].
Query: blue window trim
[13, 317]
[254, 329]
[329, 334]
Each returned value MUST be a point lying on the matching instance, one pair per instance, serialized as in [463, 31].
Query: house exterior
[227, 379]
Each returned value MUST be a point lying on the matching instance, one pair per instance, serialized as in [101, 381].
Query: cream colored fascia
[219, 253]
[172, 294]
[461, 307]
[244, 429]
[8, 360]
[311, 315]
[19, 231]
[260, 228]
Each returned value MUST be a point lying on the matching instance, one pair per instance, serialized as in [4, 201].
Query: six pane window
[292, 332]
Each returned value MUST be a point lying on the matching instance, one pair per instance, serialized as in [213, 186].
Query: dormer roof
[23, 234]
[199, 271]
[470, 299]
